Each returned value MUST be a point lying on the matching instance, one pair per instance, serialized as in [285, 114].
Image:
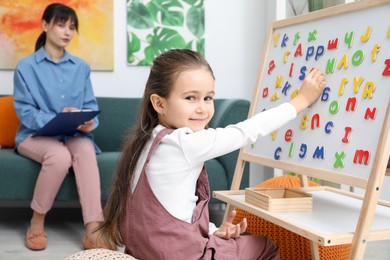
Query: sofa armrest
[227, 112]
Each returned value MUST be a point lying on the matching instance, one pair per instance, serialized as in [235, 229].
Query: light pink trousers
[56, 158]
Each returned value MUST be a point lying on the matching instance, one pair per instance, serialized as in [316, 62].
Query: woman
[46, 83]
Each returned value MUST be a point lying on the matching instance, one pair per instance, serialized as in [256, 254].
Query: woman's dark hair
[56, 12]
[163, 75]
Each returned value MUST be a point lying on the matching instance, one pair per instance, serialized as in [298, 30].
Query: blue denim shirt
[43, 87]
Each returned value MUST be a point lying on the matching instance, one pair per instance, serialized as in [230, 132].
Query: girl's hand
[227, 230]
[311, 89]
[86, 127]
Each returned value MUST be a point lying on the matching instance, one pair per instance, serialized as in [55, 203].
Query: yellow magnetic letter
[366, 36]
[344, 81]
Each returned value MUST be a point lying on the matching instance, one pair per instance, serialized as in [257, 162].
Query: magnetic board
[340, 133]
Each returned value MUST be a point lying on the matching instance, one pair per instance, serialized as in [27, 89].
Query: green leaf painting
[156, 26]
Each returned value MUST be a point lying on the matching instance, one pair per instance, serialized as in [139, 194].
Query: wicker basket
[99, 254]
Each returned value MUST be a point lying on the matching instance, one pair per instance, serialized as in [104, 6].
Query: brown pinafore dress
[150, 232]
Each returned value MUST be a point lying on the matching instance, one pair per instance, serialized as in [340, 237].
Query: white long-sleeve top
[176, 164]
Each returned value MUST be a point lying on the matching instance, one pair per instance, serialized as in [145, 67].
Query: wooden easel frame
[372, 186]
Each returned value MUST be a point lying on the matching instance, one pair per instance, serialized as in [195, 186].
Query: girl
[158, 208]
[45, 83]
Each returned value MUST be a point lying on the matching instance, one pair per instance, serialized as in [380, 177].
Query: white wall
[235, 32]
[234, 37]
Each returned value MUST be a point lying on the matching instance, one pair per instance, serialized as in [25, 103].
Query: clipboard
[66, 123]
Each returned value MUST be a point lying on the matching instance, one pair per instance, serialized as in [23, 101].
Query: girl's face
[60, 33]
[191, 101]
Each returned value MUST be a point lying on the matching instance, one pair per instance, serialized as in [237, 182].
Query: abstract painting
[155, 26]
[20, 26]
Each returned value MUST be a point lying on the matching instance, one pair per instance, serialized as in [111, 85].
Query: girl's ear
[158, 103]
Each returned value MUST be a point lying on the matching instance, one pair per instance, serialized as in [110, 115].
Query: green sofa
[18, 174]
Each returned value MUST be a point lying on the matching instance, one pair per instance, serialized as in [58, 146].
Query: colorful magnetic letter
[334, 107]
[296, 38]
[330, 66]
[344, 81]
[294, 93]
[276, 39]
[275, 96]
[312, 35]
[298, 51]
[278, 82]
[303, 150]
[290, 152]
[284, 41]
[271, 66]
[319, 152]
[288, 135]
[265, 92]
[286, 53]
[366, 36]
[339, 160]
[357, 57]
[291, 69]
[348, 130]
[386, 71]
[273, 135]
[361, 156]
[348, 39]
[325, 94]
[351, 104]
[319, 52]
[315, 121]
[369, 88]
[375, 51]
[357, 81]
[286, 88]
[303, 74]
[304, 120]
[276, 154]
[370, 113]
[332, 44]
[328, 127]
[309, 52]
[343, 62]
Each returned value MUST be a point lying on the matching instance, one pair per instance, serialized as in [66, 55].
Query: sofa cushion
[18, 175]
[9, 122]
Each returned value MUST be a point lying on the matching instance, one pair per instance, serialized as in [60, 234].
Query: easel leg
[235, 183]
[315, 253]
[229, 209]
[304, 180]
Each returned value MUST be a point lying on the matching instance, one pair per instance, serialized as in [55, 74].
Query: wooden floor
[65, 232]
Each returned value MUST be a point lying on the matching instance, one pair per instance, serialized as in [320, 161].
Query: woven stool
[292, 246]
[99, 254]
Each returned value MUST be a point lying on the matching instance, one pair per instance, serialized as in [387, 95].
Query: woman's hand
[311, 89]
[229, 230]
[86, 127]
[70, 109]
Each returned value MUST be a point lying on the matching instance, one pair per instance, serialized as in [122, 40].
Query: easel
[368, 216]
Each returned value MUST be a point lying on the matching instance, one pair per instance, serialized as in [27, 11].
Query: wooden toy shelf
[332, 221]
